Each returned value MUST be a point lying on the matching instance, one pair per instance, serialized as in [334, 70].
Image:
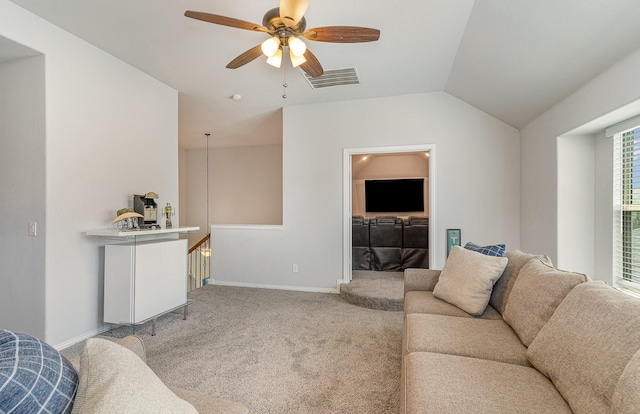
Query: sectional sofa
[515, 335]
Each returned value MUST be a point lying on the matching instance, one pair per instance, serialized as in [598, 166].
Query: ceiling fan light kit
[285, 25]
[270, 46]
[297, 46]
[295, 59]
[276, 59]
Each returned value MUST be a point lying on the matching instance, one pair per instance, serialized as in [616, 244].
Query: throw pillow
[490, 250]
[113, 379]
[34, 377]
[535, 295]
[467, 279]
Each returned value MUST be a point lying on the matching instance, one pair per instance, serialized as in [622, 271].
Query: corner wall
[612, 90]
[473, 149]
[111, 132]
[245, 186]
[22, 184]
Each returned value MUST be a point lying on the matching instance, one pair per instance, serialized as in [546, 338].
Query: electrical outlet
[33, 228]
[294, 268]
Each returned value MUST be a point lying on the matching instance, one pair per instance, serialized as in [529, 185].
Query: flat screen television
[394, 196]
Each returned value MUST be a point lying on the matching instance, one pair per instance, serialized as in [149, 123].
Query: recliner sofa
[389, 243]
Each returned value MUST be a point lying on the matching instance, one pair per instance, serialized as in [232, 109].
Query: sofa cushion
[467, 279]
[536, 294]
[34, 377]
[477, 338]
[113, 379]
[586, 345]
[496, 250]
[425, 302]
[503, 286]
[440, 383]
[626, 398]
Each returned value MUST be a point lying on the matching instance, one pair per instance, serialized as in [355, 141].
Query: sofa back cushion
[503, 286]
[626, 398]
[467, 279]
[586, 345]
[536, 294]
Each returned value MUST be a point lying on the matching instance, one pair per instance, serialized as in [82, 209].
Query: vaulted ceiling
[510, 58]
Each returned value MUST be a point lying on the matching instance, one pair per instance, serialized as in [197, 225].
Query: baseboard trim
[80, 338]
[277, 287]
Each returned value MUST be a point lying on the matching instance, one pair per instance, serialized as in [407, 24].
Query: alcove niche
[22, 183]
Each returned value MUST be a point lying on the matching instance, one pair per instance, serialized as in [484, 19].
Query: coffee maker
[146, 205]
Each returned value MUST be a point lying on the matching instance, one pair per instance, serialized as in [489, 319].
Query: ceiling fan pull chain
[284, 85]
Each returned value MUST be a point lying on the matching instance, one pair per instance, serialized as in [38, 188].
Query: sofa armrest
[131, 342]
[420, 279]
[134, 343]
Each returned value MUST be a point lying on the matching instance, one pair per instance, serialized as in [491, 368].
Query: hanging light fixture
[296, 60]
[270, 46]
[297, 46]
[276, 59]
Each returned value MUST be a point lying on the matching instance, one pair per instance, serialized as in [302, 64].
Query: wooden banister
[200, 243]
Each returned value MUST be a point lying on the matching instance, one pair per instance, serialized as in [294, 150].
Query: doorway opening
[354, 193]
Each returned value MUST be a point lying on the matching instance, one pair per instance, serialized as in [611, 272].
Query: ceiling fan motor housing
[274, 23]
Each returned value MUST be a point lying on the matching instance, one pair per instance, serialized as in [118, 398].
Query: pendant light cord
[207, 192]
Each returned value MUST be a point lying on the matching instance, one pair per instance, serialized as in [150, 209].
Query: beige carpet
[279, 351]
[375, 290]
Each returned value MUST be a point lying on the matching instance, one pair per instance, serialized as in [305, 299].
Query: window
[627, 204]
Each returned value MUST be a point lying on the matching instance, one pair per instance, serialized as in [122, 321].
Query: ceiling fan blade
[342, 34]
[246, 57]
[292, 11]
[312, 66]
[225, 21]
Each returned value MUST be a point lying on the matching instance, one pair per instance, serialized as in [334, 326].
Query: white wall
[22, 184]
[603, 210]
[111, 131]
[576, 205]
[477, 185]
[612, 90]
[245, 185]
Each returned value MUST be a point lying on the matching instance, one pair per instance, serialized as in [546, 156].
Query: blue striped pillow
[491, 250]
[34, 377]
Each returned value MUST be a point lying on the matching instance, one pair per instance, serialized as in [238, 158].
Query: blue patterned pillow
[491, 250]
[34, 377]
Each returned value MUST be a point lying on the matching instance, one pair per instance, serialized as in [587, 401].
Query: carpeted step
[375, 290]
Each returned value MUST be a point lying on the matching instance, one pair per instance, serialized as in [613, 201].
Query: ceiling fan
[285, 25]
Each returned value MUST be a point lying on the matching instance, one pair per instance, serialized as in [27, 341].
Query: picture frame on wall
[453, 239]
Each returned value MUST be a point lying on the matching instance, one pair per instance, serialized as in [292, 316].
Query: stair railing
[199, 260]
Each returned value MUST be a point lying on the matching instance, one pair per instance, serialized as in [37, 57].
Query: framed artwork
[453, 239]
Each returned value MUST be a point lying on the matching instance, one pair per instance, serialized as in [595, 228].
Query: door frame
[347, 180]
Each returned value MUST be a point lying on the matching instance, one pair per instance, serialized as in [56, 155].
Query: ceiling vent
[335, 77]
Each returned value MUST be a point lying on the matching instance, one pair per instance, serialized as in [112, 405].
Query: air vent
[335, 77]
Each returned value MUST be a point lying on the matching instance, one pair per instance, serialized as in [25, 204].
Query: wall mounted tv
[394, 196]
